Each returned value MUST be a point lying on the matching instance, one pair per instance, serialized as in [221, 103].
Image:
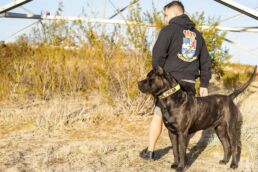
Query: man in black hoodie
[181, 50]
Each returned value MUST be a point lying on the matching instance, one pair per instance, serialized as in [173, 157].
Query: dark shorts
[188, 87]
[185, 86]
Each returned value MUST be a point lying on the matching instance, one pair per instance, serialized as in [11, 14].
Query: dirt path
[114, 143]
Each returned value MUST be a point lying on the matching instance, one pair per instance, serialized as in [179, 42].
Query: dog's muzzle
[141, 86]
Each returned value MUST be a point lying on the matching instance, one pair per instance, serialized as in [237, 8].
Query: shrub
[61, 58]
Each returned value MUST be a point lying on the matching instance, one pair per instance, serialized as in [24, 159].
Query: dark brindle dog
[184, 114]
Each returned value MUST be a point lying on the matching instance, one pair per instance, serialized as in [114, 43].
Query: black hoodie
[182, 51]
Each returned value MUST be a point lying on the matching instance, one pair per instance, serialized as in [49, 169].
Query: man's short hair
[175, 3]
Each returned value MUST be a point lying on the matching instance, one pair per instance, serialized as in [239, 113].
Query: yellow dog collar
[170, 91]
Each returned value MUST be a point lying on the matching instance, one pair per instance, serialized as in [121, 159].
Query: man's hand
[203, 92]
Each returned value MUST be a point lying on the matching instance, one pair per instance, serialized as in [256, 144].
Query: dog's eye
[151, 79]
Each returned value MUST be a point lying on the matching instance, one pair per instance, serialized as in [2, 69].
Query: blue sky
[246, 50]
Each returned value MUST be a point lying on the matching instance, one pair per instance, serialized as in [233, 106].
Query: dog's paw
[233, 166]
[223, 162]
[174, 165]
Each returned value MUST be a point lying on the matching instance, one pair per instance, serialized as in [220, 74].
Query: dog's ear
[160, 70]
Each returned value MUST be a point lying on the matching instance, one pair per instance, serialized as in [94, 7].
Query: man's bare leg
[154, 131]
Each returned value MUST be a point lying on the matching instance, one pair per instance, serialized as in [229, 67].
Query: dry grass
[78, 134]
[80, 109]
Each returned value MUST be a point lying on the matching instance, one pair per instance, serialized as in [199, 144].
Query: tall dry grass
[61, 59]
[76, 59]
[65, 77]
[64, 58]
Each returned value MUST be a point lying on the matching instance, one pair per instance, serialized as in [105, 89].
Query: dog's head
[157, 82]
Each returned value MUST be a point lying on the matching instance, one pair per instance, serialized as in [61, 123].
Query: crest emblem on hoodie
[188, 47]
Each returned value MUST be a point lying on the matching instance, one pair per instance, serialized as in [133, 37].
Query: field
[79, 134]
[69, 99]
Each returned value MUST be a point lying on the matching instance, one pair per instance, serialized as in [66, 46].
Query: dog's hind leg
[234, 149]
[174, 142]
[221, 132]
[238, 134]
[234, 140]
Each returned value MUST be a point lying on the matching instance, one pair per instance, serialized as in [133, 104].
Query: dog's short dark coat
[184, 114]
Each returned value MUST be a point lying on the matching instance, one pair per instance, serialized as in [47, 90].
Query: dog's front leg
[182, 150]
[174, 142]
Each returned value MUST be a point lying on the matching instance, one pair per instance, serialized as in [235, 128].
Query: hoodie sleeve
[205, 66]
[161, 47]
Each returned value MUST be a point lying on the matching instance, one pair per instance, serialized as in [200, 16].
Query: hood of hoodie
[183, 20]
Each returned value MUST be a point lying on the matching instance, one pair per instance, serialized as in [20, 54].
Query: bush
[231, 80]
[63, 58]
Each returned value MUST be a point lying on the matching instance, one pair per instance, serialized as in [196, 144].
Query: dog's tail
[240, 90]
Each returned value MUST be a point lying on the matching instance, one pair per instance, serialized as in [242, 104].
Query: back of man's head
[176, 5]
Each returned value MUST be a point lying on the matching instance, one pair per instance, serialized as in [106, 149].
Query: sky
[245, 49]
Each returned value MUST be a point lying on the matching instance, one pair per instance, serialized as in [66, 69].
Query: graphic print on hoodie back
[189, 47]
